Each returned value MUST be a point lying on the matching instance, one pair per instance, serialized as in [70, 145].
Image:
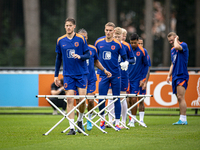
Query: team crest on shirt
[106, 55]
[70, 53]
[138, 53]
[113, 47]
[76, 44]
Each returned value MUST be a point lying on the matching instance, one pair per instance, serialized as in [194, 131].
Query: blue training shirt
[108, 55]
[179, 59]
[137, 69]
[66, 47]
[90, 63]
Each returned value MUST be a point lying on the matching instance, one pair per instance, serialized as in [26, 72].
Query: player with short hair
[91, 83]
[143, 83]
[136, 72]
[178, 71]
[124, 73]
[109, 50]
[124, 34]
[73, 50]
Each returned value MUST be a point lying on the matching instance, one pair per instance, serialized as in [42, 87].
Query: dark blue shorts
[181, 82]
[72, 82]
[91, 87]
[134, 87]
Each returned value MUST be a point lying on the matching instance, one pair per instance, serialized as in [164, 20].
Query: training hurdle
[104, 97]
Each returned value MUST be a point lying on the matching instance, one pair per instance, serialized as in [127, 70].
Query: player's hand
[141, 83]
[56, 81]
[168, 79]
[107, 73]
[124, 65]
[144, 86]
[76, 56]
[177, 37]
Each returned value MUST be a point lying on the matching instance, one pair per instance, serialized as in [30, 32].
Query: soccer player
[124, 74]
[178, 71]
[124, 34]
[91, 84]
[73, 50]
[136, 71]
[109, 50]
[143, 84]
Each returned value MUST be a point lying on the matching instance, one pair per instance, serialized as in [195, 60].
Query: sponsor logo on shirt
[101, 46]
[106, 55]
[70, 53]
[64, 45]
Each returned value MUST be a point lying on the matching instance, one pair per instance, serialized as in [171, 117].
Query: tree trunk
[112, 11]
[32, 32]
[197, 33]
[148, 28]
[166, 49]
[71, 9]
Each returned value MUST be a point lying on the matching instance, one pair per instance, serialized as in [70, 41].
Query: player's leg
[141, 105]
[181, 89]
[124, 87]
[110, 108]
[90, 89]
[115, 84]
[103, 90]
[69, 85]
[70, 106]
[134, 89]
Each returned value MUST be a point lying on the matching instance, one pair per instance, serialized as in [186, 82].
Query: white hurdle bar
[65, 115]
[142, 99]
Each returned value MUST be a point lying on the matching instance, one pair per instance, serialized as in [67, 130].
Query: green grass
[24, 132]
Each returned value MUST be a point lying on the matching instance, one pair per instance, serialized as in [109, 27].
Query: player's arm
[177, 45]
[83, 57]
[99, 65]
[57, 68]
[170, 73]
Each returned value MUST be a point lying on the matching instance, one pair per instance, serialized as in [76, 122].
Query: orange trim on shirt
[117, 42]
[61, 38]
[92, 47]
[79, 35]
[99, 41]
[125, 43]
[142, 49]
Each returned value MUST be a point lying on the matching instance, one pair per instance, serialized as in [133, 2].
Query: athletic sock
[80, 117]
[124, 110]
[141, 114]
[90, 116]
[132, 120]
[110, 118]
[71, 125]
[117, 122]
[183, 118]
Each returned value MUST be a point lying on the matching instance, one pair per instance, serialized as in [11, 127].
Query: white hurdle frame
[65, 115]
[104, 97]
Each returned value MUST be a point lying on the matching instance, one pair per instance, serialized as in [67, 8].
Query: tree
[112, 11]
[148, 27]
[32, 32]
[197, 34]
[166, 51]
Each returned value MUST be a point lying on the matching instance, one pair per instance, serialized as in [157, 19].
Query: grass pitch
[25, 132]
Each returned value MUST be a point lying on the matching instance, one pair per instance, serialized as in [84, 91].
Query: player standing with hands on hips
[178, 71]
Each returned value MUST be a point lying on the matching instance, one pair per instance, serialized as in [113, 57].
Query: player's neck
[109, 39]
[70, 35]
